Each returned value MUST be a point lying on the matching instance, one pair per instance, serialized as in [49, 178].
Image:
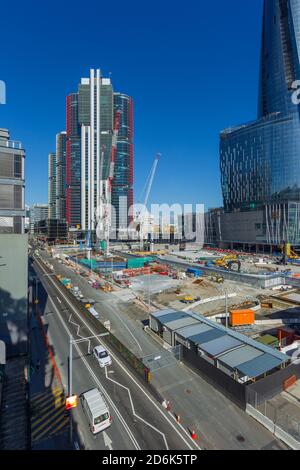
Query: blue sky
[191, 68]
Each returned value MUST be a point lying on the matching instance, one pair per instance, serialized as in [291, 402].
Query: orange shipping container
[242, 317]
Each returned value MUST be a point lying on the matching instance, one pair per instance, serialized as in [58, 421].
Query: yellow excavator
[227, 262]
[288, 254]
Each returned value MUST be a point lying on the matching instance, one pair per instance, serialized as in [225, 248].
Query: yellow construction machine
[227, 262]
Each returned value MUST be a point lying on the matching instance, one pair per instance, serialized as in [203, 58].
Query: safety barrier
[273, 428]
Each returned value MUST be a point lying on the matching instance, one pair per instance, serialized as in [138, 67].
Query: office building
[61, 140]
[13, 246]
[91, 115]
[12, 185]
[52, 185]
[260, 165]
[122, 188]
[73, 163]
[38, 212]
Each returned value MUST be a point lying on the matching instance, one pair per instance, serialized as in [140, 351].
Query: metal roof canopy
[193, 330]
[239, 356]
[172, 317]
[181, 322]
[245, 339]
[207, 336]
[259, 366]
[161, 313]
[219, 345]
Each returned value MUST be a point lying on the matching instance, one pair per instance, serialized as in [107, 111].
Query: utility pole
[70, 386]
[226, 308]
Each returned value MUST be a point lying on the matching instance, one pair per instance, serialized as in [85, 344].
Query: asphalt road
[219, 423]
[138, 421]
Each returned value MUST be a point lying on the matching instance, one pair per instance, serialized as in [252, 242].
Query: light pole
[226, 308]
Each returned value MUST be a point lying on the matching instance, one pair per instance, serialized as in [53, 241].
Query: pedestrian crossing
[48, 416]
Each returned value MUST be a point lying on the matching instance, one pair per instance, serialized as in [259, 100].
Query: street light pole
[226, 308]
[70, 385]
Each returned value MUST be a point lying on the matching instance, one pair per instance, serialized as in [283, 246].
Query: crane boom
[151, 178]
[142, 215]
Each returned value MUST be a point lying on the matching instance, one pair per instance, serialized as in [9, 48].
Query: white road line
[190, 446]
[75, 324]
[130, 332]
[114, 407]
[133, 409]
[58, 300]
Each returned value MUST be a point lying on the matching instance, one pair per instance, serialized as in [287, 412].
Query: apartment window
[6, 196]
[18, 190]
[18, 166]
[6, 165]
[6, 224]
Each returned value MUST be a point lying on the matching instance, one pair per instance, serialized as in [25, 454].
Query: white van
[96, 410]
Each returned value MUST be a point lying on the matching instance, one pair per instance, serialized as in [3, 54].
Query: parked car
[102, 357]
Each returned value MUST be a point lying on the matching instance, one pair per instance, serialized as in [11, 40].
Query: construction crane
[142, 215]
[103, 215]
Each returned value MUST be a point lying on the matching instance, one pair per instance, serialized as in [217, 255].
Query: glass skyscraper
[122, 188]
[260, 160]
[91, 113]
[61, 140]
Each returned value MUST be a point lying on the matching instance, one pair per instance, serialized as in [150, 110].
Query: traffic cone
[193, 435]
[178, 419]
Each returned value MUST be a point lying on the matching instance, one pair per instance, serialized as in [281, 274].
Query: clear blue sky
[191, 67]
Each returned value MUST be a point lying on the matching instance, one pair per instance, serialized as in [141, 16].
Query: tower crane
[104, 215]
[142, 215]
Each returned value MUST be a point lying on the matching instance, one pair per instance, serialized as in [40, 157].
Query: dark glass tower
[260, 161]
[73, 163]
[61, 140]
[122, 189]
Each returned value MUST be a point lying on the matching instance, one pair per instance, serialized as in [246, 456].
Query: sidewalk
[49, 423]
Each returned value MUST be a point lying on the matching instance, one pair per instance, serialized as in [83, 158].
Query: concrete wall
[13, 292]
[241, 227]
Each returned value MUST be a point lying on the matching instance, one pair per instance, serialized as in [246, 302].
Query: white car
[102, 356]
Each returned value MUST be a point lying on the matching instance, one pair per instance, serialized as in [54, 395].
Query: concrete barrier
[273, 428]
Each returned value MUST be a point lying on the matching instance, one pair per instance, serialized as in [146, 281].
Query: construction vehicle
[217, 278]
[288, 254]
[227, 262]
[189, 300]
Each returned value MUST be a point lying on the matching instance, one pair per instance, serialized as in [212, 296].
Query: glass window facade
[260, 161]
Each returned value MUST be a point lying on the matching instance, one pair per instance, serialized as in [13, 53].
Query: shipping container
[242, 317]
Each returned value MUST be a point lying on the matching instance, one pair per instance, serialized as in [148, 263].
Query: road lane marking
[133, 409]
[173, 426]
[75, 324]
[116, 410]
[107, 441]
[58, 300]
[130, 332]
